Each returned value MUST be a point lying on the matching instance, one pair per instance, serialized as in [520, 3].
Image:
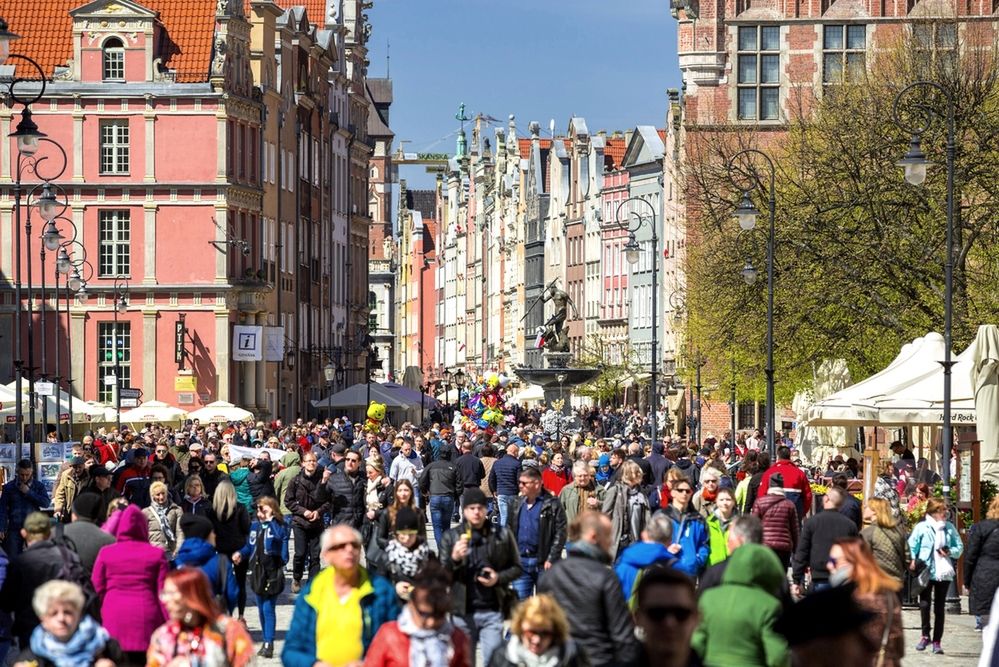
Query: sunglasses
[542, 634]
[340, 546]
[659, 614]
[353, 460]
[682, 491]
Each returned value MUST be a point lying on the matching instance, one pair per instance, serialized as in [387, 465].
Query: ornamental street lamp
[459, 382]
[28, 139]
[120, 304]
[915, 164]
[746, 214]
[631, 253]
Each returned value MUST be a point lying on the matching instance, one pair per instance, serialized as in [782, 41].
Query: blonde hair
[156, 487]
[631, 472]
[541, 611]
[224, 501]
[993, 511]
[882, 512]
[190, 481]
[57, 590]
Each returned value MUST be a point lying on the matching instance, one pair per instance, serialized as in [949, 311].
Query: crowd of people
[597, 547]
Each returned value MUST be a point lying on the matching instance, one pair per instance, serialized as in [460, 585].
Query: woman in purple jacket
[128, 577]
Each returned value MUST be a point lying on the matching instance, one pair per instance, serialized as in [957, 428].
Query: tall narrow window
[114, 350]
[114, 146]
[935, 47]
[114, 60]
[759, 72]
[114, 239]
[844, 53]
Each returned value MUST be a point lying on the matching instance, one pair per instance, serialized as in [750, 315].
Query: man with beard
[308, 500]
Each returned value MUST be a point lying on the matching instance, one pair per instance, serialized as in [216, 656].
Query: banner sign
[247, 343]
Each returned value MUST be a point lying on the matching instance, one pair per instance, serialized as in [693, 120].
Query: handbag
[266, 571]
[889, 618]
[922, 577]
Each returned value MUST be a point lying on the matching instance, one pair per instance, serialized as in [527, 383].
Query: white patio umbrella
[153, 411]
[532, 393]
[985, 380]
[920, 402]
[356, 396]
[915, 359]
[220, 412]
[57, 405]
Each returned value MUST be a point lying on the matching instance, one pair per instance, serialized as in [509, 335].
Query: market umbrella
[985, 379]
[220, 412]
[356, 396]
[412, 396]
[914, 360]
[532, 393]
[153, 411]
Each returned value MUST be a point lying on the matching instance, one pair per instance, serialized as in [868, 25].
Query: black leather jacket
[551, 529]
[307, 493]
[501, 553]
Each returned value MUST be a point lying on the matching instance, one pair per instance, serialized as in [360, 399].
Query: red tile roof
[614, 153]
[46, 30]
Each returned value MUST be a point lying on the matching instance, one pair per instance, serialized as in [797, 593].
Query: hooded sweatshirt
[636, 558]
[738, 617]
[196, 552]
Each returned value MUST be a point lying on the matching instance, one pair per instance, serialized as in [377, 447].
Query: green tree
[596, 352]
[860, 253]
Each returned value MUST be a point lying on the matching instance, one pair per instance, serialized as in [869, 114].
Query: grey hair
[580, 467]
[327, 536]
[747, 528]
[634, 448]
[660, 528]
[57, 590]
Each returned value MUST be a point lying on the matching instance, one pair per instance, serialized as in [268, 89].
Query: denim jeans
[524, 585]
[482, 627]
[505, 503]
[268, 617]
[441, 509]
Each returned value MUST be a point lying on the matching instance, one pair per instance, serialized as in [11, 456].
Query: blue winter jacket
[691, 533]
[923, 540]
[16, 505]
[275, 540]
[504, 476]
[636, 558]
[378, 607]
[196, 552]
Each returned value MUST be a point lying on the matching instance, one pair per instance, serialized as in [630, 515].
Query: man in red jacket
[796, 486]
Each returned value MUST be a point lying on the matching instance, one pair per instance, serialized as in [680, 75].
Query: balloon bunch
[483, 403]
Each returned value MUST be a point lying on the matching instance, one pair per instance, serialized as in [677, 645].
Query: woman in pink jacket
[128, 576]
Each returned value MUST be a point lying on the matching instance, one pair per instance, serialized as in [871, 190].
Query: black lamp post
[459, 382]
[28, 139]
[631, 253]
[446, 375]
[746, 214]
[915, 164]
[120, 304]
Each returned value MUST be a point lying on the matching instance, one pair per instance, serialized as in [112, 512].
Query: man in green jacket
[291, 464]
[738, 617]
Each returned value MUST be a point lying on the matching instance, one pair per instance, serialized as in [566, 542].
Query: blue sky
[609, 61]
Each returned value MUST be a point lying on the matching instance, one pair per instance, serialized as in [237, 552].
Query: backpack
[71, 569]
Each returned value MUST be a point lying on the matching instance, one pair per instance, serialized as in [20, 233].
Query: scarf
[161, 515]
[427, 648]
[707, 495]
[520, 655]
[81, 649]
[943, 569]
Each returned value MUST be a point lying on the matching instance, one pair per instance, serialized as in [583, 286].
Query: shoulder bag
[266, 571]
